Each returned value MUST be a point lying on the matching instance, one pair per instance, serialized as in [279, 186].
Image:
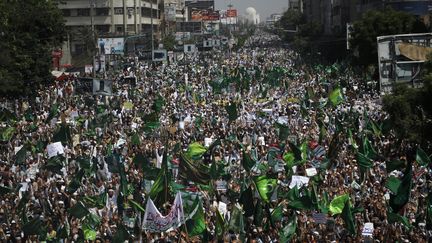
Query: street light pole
[151, 23]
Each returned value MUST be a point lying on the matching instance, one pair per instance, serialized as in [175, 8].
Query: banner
[368, 229]
[298, 181]
[55, 149]
[102, 87]
[84, 85]
[154, 221]
[170, 12]
[111, 45]
[231, 13]
[205, 15]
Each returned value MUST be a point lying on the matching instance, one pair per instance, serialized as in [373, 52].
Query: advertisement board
[231, 13]
[182, 36]
[111, 45]
[159, 55]
[400, 59]
[170, 12]
[102, 87]
[205, 15]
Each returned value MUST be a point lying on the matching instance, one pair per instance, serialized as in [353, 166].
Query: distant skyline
[263, 7]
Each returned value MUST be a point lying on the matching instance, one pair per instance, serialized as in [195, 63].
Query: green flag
[63, 134]
[393, 184]
[89, 234]
[289, 230]
[158, 103]
[195, 150]
[5, 190]
[54, 164]
[236, 222]
[232, 111]
[136, 206]
[78, 210]
[21, 156]
[397, 218]
[394, 165]
[54, 111]
[336, 97]
[247, 162]
[265, 187]
[193, 171]
[422, 158]
[75, 183]
[159, 192]
[197, 224]
[277, 213]
[97, 201]
[121, 235]
[135, 139]
[7, 133]
[348, 218]
[34, 227]
[283, 131]
[337, 204]
[220, 225]
[7, 116]
[398, 201]
[364, 162]
[246, 200]
[258, 214]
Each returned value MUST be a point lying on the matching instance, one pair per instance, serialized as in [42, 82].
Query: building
[295, 5]
[110, 18]
[270, 21]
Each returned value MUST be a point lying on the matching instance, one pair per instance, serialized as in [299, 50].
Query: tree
[378, 23]
[410, 112]
[306, 32]
[29, 31]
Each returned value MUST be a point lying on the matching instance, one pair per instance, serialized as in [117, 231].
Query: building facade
[112, 17]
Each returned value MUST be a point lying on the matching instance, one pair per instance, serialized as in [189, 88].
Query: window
[118, 11]
[102, 11]
[119, 28]
[83, 12]
[73, 12]
[66, 12]
[131, 28]
[102, 28]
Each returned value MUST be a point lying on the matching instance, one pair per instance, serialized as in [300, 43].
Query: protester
[276, 117]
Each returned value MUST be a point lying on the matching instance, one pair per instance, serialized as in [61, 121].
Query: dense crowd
[193, 111]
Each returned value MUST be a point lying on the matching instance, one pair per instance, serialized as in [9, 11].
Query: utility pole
[92, 3]
[151, 23]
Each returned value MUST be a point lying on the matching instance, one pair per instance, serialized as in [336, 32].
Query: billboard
[231, 13]
[170, 12]
[102, 87]
[159, 55]
[111, 45]
[182, 36]
[205, 15]
[400, 59]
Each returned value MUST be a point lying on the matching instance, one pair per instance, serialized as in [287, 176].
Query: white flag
[154, 221]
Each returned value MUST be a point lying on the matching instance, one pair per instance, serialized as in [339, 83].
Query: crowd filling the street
[253, 144]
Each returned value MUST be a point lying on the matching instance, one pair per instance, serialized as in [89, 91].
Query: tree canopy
[379, 23]
[410, 111]
[27, 42]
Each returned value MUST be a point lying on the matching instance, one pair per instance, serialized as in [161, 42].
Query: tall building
[110, 18]
[113, 17]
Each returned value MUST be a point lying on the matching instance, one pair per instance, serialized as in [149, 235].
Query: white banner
[154, 221]
[55, 149]
[299, 181]
[368, 229]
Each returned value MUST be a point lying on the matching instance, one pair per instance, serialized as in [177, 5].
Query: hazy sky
[263, 7]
